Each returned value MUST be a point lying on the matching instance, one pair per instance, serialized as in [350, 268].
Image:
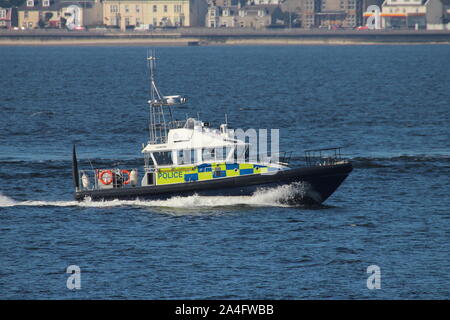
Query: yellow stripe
[262, 170]
[205, 175]
[246, 166]
[232, 173]
[176, 174]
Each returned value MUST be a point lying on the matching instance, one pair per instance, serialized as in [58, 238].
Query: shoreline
[221, 37]
[197, 42]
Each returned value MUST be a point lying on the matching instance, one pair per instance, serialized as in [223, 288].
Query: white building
[413, 14]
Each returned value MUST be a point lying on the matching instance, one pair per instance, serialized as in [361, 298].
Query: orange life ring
[129, 176]
[107, 181]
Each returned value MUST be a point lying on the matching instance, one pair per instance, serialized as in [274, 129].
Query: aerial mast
[159, 127]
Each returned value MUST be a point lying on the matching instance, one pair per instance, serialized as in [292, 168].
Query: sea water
[389, 106]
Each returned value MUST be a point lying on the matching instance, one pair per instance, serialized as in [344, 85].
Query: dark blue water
[388, 105]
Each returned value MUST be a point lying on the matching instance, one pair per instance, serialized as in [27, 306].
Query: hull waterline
[316, 184]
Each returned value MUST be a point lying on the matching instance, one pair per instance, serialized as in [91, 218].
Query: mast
[76, 178]
[158, 126]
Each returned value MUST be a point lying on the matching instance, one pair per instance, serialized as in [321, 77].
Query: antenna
[158, 126]
[151, 64]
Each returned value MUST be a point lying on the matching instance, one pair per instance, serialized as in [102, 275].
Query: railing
[324, 157]
[161, 130]
[94, 179]
[170, 125]
[284, 156]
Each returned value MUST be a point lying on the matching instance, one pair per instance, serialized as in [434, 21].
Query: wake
[282, 196]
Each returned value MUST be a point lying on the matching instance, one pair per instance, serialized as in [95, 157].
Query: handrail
[323, 156]
[324, 149]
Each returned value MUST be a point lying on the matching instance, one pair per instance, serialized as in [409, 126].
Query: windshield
[163, 158]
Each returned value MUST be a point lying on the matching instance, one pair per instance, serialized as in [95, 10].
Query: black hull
[319, 183]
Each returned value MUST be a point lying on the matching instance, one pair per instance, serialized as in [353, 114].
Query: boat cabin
[193, 147]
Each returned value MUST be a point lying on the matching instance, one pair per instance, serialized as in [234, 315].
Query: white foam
[263, 197]
[6, 201]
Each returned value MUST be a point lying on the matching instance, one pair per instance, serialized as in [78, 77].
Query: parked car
[142, 27]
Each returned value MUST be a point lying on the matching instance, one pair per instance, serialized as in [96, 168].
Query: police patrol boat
[189, 157]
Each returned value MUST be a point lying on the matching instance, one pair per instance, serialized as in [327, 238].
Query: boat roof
[195, 135]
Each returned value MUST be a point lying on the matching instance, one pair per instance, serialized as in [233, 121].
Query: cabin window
[215, 154]
[226, 151]
[163, 158]
[148, 160]
[186, 156]
[241, 153]
[208, 154]
[221, 153]
[183, 157]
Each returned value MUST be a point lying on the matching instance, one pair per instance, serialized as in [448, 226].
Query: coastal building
[339, 13]
[368, 3]
[303, 12]
[223, 3]
[412, 14]
[249, 16]
[8, 17]
[58, 13]
[446, 21]
[34, 14]
[330, 14]
[157, 13]
[213, 15]
[263, 2]
[417, 14]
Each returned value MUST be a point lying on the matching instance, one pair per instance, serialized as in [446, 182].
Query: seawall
[206, 36]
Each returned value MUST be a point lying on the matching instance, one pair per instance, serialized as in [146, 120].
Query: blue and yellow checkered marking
[207, 172]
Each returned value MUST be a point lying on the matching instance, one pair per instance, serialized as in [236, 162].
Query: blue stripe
[232, 166]
[191, 177]
[246, 171]
[204, 168]
[219, 174]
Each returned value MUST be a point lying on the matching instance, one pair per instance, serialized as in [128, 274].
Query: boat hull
[317, 184]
